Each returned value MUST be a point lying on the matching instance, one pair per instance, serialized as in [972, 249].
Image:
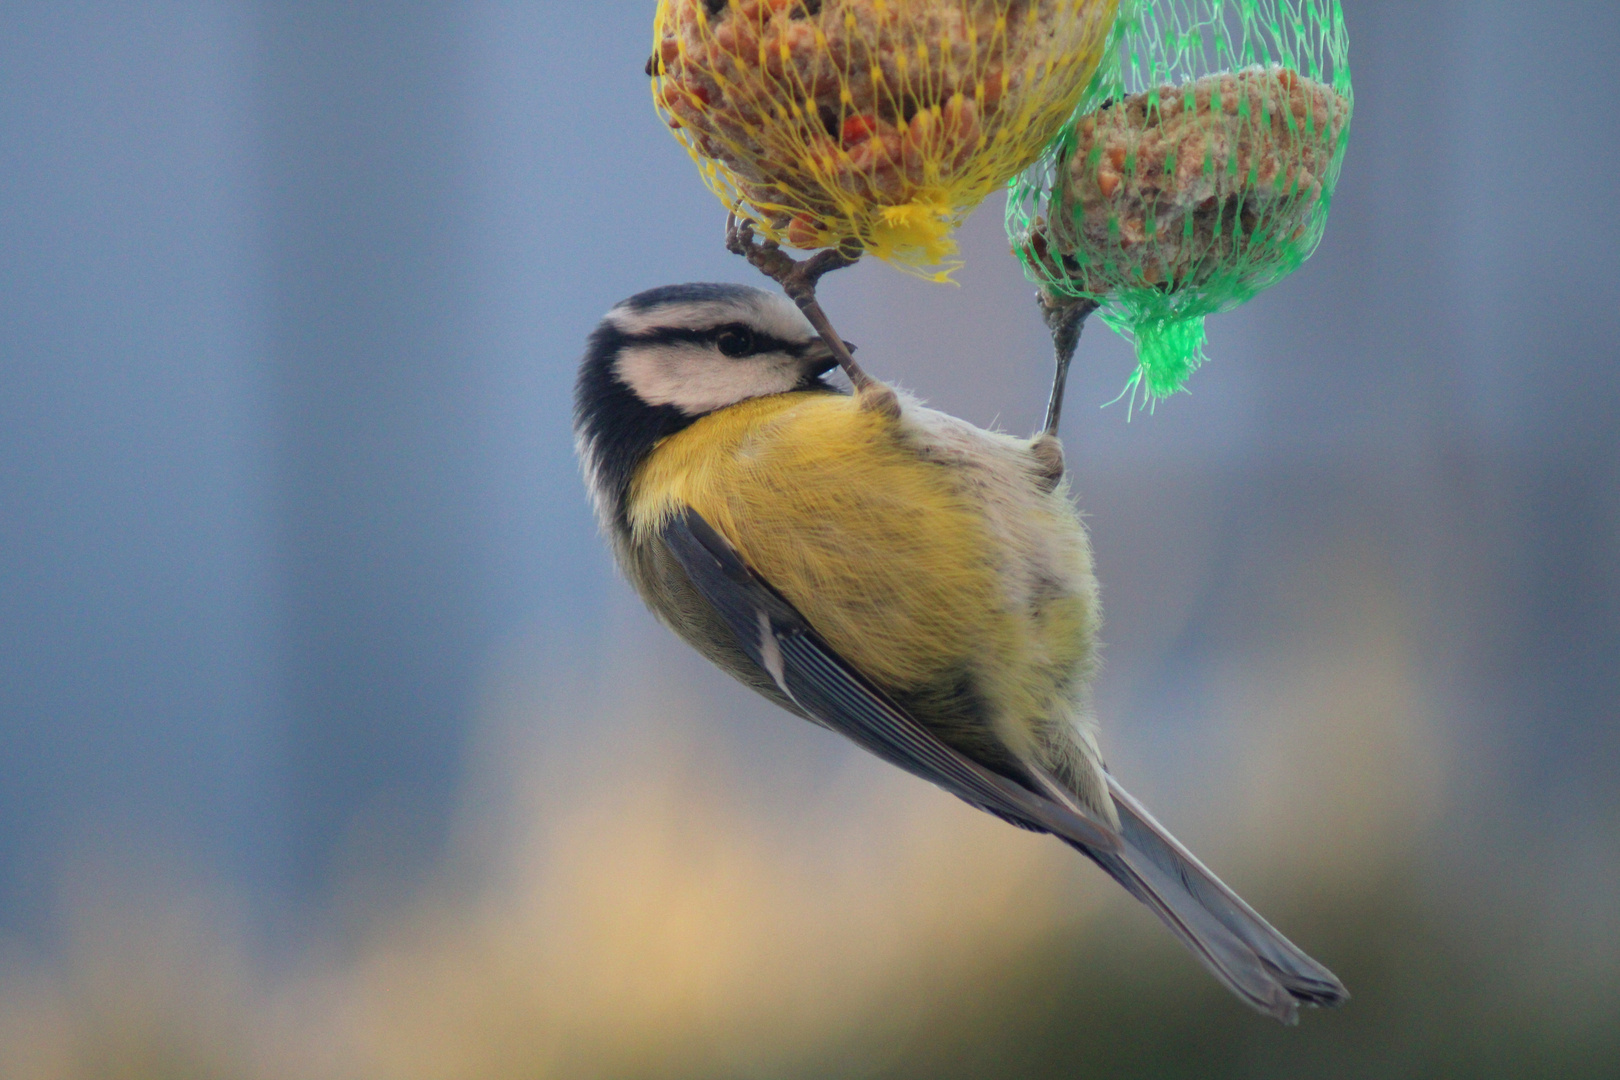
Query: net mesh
[1198, 170]
[878, 122]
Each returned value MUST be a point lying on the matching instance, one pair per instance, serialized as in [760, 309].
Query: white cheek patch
[696, 379]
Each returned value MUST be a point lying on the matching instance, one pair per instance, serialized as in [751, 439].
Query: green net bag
[1198, 171]
[877, 123]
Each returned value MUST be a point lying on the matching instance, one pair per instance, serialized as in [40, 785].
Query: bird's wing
[1240, 948]
[826, 687]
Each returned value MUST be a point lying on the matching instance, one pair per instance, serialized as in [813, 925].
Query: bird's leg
[798, 280]
[1065, 317]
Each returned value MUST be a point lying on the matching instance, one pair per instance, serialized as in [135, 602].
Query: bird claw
[740, 240]
[798, 278]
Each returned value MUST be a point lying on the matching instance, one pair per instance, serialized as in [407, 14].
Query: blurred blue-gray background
[325, 723]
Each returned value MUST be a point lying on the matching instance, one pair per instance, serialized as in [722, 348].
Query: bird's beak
[822, 364]
[820, 358]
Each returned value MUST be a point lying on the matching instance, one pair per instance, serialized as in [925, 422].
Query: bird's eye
[735, 341]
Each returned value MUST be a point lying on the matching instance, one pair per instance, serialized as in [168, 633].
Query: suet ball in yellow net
[871, 123]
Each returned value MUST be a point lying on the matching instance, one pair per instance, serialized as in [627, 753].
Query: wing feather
[827, 688]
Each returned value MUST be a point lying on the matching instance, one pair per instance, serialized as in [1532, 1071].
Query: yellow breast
[872, 544]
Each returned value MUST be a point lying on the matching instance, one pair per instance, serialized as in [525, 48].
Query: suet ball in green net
[1200, 170]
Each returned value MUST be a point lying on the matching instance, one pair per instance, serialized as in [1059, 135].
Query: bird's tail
[1239, 948]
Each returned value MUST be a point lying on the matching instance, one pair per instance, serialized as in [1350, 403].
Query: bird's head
[665, 357]
[698, 348]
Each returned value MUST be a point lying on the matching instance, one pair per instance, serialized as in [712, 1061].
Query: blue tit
[902, 577]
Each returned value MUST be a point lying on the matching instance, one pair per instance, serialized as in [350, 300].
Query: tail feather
[1239, 948]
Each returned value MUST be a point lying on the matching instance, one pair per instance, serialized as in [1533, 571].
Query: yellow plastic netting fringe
[879, 122]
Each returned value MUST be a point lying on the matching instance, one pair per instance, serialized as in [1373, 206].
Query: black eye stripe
[763, 342]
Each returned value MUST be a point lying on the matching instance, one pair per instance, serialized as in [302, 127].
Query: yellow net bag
[881, 123]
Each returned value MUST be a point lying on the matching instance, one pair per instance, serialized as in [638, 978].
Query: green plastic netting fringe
[1197, 171]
